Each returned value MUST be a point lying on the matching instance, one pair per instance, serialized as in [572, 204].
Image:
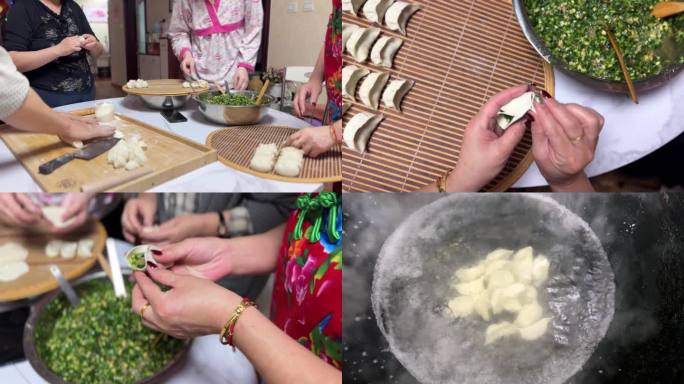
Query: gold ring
[143, 308]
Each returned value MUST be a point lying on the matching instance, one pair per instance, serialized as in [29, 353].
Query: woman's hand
[81, 129]
[182, 227]
[564, 142]
[75, 212]
[90, 43]
[241, 79]
[188, 65]
[313, 141]
[207, 258]
[17, 210]
[69, 45]
[484, 154]
[138, 214]
[309, 91]
[192, 307]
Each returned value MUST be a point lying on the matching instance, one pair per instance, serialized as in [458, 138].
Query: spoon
[65, 286]
[668, 8]
[118, 282]
[621, 60]
[262, 92]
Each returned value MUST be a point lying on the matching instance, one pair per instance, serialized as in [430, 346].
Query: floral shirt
[221, 36]
[333, 63]
[307, 295]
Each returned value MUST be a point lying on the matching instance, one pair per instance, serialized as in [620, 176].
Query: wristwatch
[222, 227]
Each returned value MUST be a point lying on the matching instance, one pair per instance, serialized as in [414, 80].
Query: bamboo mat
[459, 53]
[236, 146]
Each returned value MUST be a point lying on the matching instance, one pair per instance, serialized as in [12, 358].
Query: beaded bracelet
[228, 330]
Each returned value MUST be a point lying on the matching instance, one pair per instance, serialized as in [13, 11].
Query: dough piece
[264, 158]
[469, 274]
[132, 165]
[516, 109]
[499, 254]
[471, 288]
[499, 330]
[12, 271]
[85, 248]
[528, 315]
[461, 306]
[12, 252]
[536, 330]
[77, 144]
[186, 84]
[195, 84]
[359, 129]
[351, 74]
[53, 248]
[290, 162]
[352, 6]
[371, 89]
[347, 30]
[522, 265]
[203, 83]
[118, 155]
[384, 50]
[374, 10]
[128, 154]
[540, 270]
[360, 43]
[118, 135]
[54, 215]
[104, 112]
[68, 250]
[131, 84]
[395, 92]
[398, 15]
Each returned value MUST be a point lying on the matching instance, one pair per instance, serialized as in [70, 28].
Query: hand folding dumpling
[398, 15]
[384, 50]
[374, 10]
[360, 42]
[352, 6]
[351, 74]
[371, 89]
[395, 93]
[347, 30]
[359, 129]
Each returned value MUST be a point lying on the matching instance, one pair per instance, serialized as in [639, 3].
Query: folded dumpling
[351, 74]
[516, 109]
[264, 157]
[359, 129]
[374, 10]
[371, 89]
[385, 49]
[395, 93]
[360, 43]
[352, 6]
[398, 15]
[347, 30]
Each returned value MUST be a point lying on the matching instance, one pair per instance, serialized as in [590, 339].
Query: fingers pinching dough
[351, 74]
[352, 6]
[360, 43]
[371, 89]
[395, 93]
[374, 10]
[398, 15]
[359, 129]
[385, 49]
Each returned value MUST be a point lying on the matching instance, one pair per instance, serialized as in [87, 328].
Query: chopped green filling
[137, 260]
[232, 99]
[101, 340]
[574, 30]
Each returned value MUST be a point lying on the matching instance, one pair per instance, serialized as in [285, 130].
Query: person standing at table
[216, 40]
[49, 41]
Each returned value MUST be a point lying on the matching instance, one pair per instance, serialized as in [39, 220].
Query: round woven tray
[236, 146]
[459, 53]
[165, 87]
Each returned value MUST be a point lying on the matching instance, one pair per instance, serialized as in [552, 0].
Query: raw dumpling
[516, 109]
[85, 248]
[399, 14]
[469, 274]
[499, 330]
[54, 215]
[186, 84]
[351, 74]
[540, 270]
[53, 248]
[371, 89]
[471, 288]
[360, 43]
[461, 306]
[203, 83]
[352, 6]
[290, 162]
[131, 84]
[12, 270]
[536, 330]
[374, 10]
[384, 50]
[264, 157]
[347, 30]
[104, 112]
[68, 249]
[528, 315]
[359, 129]
[395, 93]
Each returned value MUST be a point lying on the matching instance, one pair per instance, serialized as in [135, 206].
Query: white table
[631, 131]
[207, 361]
[214, 177]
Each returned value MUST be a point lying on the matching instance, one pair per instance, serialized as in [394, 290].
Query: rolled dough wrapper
[290, 162]
[351, 74]
[359, 129]
[12, 271]
[384, 50]
[53, 248]
[398, 15]
[68, 249]
[347, 30]
[352, 6]
[395, 93]
[374, 10]
[371, 89]
[85, 248]
[12, 252]
[140, 257]
[360, 43]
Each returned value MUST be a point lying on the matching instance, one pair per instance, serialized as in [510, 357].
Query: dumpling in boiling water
[461, 306]
[540, 270]
[499, 330]
[536, 330]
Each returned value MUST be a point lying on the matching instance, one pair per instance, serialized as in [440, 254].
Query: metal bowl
[601, 84]
[164, 102]
[234, 115]
[36, 361]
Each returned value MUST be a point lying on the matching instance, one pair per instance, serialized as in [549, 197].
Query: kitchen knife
[89, 152]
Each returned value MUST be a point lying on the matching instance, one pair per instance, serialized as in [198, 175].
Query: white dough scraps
[128, 153]
[504, 285]
[140, 83]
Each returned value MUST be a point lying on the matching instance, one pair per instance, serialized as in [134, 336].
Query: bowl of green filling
[100, 341]
[570, 34]
[234, 107]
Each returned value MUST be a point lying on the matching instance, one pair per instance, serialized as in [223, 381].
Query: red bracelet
[228, 330]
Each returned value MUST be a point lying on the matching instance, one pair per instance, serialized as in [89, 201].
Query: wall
[296, 39]
[117, 42]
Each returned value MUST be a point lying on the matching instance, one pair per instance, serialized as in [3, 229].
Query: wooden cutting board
[166, 87]
[39, 280]
[169, 156]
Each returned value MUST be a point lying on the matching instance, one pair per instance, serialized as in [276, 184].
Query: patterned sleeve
[180, 28]
[251, 40]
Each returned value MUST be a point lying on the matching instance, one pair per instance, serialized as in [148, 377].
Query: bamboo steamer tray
[236, 146]
[459, 53]
[38, 279]
[165, 87]
[169, 156]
